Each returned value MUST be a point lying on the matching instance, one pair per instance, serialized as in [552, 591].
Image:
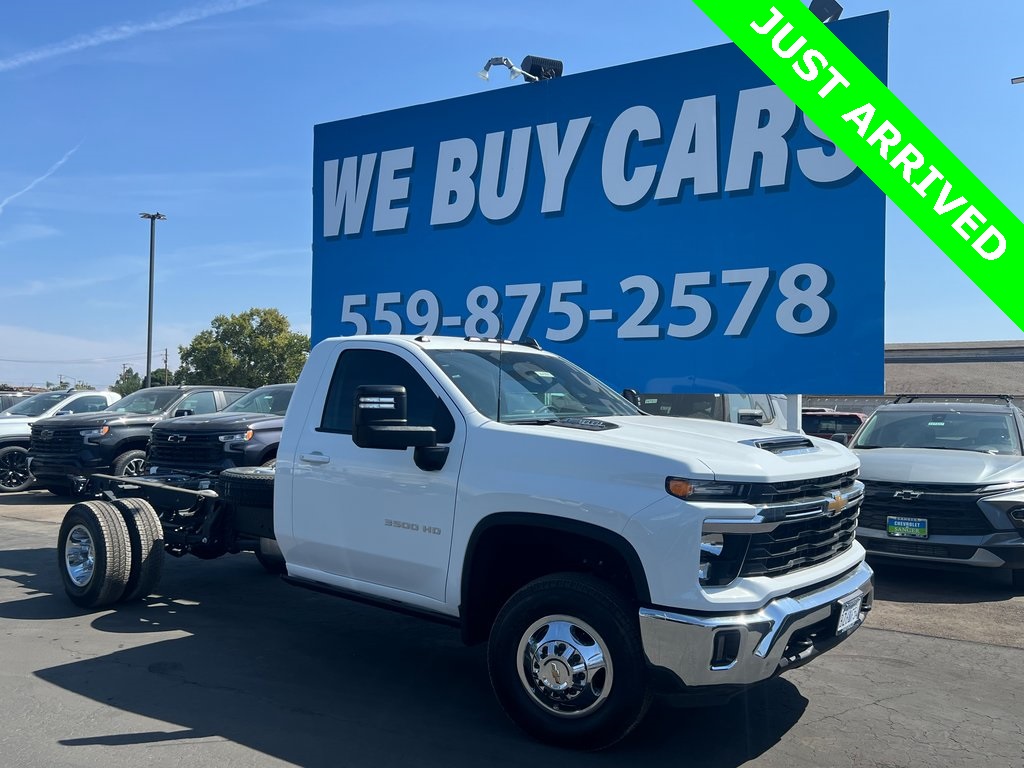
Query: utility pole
[166, 372]
[153, 218]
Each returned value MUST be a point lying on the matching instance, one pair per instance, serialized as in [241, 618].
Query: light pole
[153, 217]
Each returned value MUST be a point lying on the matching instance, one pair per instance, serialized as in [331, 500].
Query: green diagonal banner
[878, 133]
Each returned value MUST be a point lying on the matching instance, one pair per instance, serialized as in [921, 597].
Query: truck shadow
[227, 652]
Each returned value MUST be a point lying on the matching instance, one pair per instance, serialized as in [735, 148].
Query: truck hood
[15, 425]
[712, 449]
[929, 465]
[92, 420]
[220, 422]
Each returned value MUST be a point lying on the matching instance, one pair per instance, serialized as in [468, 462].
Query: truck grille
[184, 450]
[800, 544]
[797, 490]
[951, 510]
[55, 440]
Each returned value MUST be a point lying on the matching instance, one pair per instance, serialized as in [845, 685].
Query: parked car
[755, 410]
[245, 434]
[67, 450]
[9, 398]
[16, 428]
[944, 483]
[824, 422]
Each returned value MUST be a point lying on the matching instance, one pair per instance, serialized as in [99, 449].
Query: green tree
[249, 349]
[127, 382]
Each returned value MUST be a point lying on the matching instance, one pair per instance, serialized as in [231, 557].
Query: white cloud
[27, 232]
[120, 32]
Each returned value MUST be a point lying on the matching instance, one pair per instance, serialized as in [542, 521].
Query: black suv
[67, 450]
[245, 434]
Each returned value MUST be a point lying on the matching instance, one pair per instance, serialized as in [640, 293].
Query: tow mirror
[752, 417]
[379, 420]
[843, 438]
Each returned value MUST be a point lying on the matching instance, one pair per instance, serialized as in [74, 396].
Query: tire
[248, 486]
[94, 554]
[146, 534]
[270, 557]
[129, 464]
[570, 620]
[14, 474]
[270, 463]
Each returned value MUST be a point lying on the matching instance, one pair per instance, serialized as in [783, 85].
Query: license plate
[849, 613]
[911, 527]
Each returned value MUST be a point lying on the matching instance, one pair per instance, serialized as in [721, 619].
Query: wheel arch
[495, 565]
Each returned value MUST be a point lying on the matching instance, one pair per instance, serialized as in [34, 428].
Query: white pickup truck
[602, 553]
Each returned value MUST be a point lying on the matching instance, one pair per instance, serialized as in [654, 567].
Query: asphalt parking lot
[229, 666]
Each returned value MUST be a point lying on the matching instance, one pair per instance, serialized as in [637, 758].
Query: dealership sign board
[672, 225]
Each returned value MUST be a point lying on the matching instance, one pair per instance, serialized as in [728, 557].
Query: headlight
[706, 490]
[238, 437]
[98, 432]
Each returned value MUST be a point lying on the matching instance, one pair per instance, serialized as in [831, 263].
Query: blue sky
[204, 110]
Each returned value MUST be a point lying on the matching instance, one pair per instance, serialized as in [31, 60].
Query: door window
[357, 367]
[198, 402]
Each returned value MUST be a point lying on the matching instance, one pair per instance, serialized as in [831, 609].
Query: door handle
[315, 458]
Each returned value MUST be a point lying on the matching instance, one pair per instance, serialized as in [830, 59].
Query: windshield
[37, 404]
[954, 430]
[533, 387]
[270, 400]
[145, 402]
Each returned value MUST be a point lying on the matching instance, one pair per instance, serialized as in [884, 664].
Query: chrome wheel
[564, 665]
[79, 556]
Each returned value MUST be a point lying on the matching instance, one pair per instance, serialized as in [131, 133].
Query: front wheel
[567, 663]
[94, 554]
[14, 474]
[130, 464]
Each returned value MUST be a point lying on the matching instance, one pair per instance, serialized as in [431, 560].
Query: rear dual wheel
[109, 551]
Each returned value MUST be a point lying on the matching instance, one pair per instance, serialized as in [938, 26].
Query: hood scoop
[782, 446]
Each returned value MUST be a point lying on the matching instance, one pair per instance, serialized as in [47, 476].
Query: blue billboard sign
[672, 225]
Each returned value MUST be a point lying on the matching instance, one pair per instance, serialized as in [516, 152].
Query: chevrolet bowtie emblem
[836, 504]
[907, 495]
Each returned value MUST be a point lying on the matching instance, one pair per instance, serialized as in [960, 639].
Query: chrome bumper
[745, 648]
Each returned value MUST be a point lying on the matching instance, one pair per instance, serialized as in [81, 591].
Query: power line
[114, 358]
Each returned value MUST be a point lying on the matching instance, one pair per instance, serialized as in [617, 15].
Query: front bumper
[739, 649]
[1003, 549]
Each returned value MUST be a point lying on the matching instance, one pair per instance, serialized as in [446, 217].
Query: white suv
[16, 428]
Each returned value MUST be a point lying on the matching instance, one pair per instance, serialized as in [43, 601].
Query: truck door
[369, 514]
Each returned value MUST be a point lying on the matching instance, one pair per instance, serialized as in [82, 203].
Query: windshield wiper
[542, 420]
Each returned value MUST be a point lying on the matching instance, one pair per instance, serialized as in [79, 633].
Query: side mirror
[379, 420]
[752, 417]
[62, 413]
[183, 412]
[632, 395]
[843, 438]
